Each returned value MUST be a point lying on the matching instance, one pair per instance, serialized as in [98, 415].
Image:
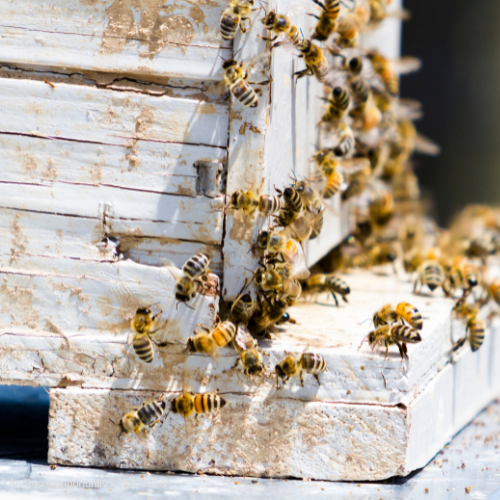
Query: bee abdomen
[208, 403]
[196, 265]
[411, 315]
[151, 412]
[476, 333]
[269, 204]
[143, 348]
[360, 89]
[333, 183]
[294, 35]
[433, 275]
[228, 25]
[407, 334]
[313, 363]
[338, 285]
[224, 333]
[293, 200]
[345, 146]
[245, 94]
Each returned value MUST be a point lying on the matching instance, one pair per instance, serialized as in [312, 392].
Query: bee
[316, 63]
[234, 16]
[242, 308]
[236, 80]
[384, 68]
[271, 310]
[209, 342]
[381, 208]
[481, 247]
[280, 24]
[292, 365]
[247, 201]
[319, 283]
[250, 357]
[430, 274]
[404, 311]
[382, 253]
[475, 329]
[310, 197]
[194, 272]
[332, 185]
[270, 280]
[148, 415]
[142, 325]
[462, 275]
[346, 141]
[348, 29]
[305, 228]
[294, 206]
[327, 21]
[387, 335]
[356, 184]
[190, 403]
[337, 104]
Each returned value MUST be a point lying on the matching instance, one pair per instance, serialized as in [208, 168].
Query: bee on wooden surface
[293, 365]
[190, 403]
[210, 341]
[430, 274]
[306, 227]
[293, 207]
[147, 416]
[316, 63]
[404, 312]
[338, 104]
[462, 275]
[279, 24]
[381, 254]
[383, 67]
[270, 280]
[194, 272]
[249, 202]
[356, 183]
[319, 283]
[387, 335]
[348, 28]
[143, 326]
[310, 196]
[250, 357]
[475, 328]
[242, 308]
[327, 21]
[271, 310]
[236, 76]
[332, 184]
[234, 16]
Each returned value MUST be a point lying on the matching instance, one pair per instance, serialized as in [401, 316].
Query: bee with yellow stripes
[327, 21]
[293, 365]
[404, 312]
[147, 416]
[209, 342]
[387, 335]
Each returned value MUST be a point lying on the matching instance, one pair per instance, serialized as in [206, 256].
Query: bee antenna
[236, 53]
[364, 321]
[222, 58]
[192, 308]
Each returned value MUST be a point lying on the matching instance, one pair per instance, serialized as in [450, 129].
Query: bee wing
[426, 146]
[299, 265]
[353, 165]
[409, 109]
[407, 64]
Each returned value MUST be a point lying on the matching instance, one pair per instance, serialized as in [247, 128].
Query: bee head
[190, 345]
[255, 370]
[263, 238]
[472, 281]
[230, 63]
[392, 256]
[279, 371]
[247, 298]
[355, 65]
[337, 91]
[129, 423]
[268, 20]
[288, 193]
[371, 337]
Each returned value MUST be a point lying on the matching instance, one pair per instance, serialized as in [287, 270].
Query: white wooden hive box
[122, 165]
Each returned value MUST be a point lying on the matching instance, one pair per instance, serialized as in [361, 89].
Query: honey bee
[327, 21]
[147, 416]
[378, 12]
[356, 183]
[475, 328]
[209, 342]
[242, 308]
[430, 274]
[234, 16]
[383, 67]
[250, 357]
[142, 325]
[404, 312]
[236, 80]
[481, 247]
[381, 208]
[310, 197]
[307, 228]
[345, 138]
[270, 280]
[387, 335]
[462, 275]
[294, 206]
[292, 365]
[337, 104]
[280, 24]
[190, 403]
[247, 201]
[316, 63]
[319, 283]
[194, 272]
[348, 29]
[332, 185]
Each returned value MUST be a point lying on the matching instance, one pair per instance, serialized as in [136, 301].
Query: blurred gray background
[459, 86]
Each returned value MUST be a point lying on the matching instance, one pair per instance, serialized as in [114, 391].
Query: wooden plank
[141, 165]
[149, 37]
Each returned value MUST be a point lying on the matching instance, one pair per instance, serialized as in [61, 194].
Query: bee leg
[335, 298]
[386, 351]
[345, 300]
[317, 378]
[401, 351]
[237, 363]
[304, 72]
[301, 379]
[267, 39]
[313, 15]
[244, 29]
[321, 4]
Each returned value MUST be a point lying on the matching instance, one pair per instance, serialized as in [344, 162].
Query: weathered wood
[138, 37]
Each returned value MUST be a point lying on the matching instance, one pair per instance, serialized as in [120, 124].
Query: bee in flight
[319, 283]
[194, 273]
[143, 326]
[387, 335]
[236, 74]
[190, 403]
[234, 16]
[147, 416]
[293, 365]
[209, 341]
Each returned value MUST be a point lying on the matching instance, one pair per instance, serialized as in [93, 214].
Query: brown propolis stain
[156, 28]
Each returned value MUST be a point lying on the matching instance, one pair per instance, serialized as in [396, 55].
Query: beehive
[118, 148]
